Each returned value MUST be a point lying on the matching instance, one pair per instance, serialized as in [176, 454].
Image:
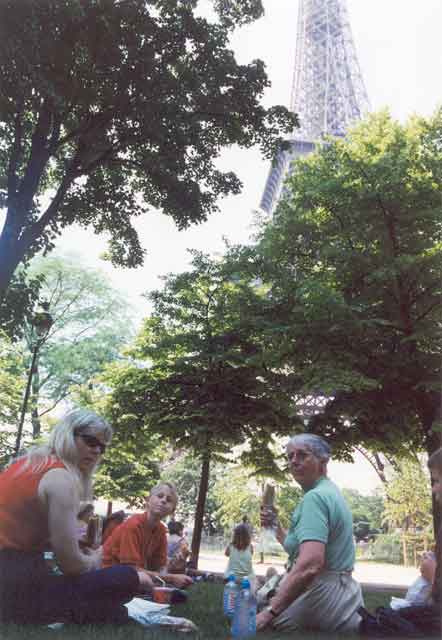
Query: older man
[318, 591]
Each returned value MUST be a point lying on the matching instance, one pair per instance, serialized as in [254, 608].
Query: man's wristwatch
[272, 613]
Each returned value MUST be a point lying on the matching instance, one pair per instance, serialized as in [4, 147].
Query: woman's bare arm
[58, 494]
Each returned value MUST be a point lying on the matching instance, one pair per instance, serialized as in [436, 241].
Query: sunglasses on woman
[92, 442]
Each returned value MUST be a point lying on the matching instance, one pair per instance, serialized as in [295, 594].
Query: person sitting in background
[419, 592]
[318, 591]
[428, 566]
[83, 517]
[40, 495]
[141, 540]
[423, 618]
[112, 522]
[239, 551]
[177, 548]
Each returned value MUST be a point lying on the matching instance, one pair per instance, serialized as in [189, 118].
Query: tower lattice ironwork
[328, 91]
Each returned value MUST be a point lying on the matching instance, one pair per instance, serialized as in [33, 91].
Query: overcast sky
[400, 54]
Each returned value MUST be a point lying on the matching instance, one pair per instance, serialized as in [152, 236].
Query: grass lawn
[203, 607]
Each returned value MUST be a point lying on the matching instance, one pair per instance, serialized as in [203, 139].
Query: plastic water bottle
[244, 617]
[229, 596]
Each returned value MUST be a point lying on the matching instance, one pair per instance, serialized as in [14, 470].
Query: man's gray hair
[317, 445]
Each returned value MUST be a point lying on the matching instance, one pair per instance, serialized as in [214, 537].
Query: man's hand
[178, 580]
[263, 620]
[268, 517]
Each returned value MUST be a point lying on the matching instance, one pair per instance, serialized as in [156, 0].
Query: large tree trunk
[35, 419]
[404, 549]
[200, 507]
[11, 254]
[430, 415]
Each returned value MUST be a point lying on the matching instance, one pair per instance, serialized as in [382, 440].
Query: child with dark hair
[83, 517]
[239, 552]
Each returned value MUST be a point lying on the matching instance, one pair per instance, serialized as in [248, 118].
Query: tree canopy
[199, 375]
[368, 509]
[200, 382]
[12, 383]
[352, 262]
[17, 304]
[185, 473]
[408, 503]
[109, 107]
[91, 322]
[237, 496]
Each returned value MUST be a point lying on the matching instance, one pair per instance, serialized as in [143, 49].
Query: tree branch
[38, 156]
[15, 153]
[63, 397]
[377, 465]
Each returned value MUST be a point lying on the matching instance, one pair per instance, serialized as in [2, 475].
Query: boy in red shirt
[141, 541]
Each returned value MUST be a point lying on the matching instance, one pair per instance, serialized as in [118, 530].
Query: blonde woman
[40, 497]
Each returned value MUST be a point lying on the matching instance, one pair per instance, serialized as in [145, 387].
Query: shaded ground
[204, 607]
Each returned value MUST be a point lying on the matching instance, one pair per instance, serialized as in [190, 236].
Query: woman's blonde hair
[61, 444]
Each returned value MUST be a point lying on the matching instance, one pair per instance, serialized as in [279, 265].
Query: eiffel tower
[328, 91]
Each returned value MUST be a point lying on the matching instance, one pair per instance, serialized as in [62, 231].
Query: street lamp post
[41, 322]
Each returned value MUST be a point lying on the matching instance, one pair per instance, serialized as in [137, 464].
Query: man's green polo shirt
[323, 516]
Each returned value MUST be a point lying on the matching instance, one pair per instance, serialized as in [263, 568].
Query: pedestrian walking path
[385, 574]
[372, 575]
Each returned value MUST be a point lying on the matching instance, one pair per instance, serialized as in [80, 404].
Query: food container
[94, 531]
[268, 505]
[168, 595]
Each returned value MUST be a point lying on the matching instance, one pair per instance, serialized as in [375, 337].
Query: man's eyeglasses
[299, 455]
[92, 442]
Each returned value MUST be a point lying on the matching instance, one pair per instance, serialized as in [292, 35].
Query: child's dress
[240, 563]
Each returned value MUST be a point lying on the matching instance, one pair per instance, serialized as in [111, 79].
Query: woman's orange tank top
[23, 519]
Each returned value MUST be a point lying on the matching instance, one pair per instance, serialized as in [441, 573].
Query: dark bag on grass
[426, 618]
[408, 622]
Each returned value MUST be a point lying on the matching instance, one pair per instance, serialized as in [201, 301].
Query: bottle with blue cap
[244, 617]
[229, 596]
